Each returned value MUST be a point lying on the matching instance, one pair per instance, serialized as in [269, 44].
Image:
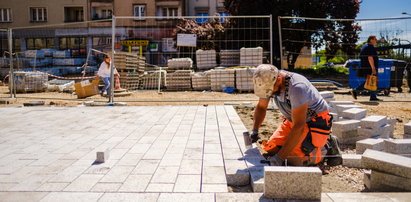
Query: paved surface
[167, 153]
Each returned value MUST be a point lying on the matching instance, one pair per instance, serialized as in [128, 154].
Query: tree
[333, 35]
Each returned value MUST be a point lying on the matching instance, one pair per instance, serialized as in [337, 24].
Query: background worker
[368, 66]
[104, 73]
[304, 136]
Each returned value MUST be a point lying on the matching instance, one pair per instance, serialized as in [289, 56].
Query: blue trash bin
[384, 74]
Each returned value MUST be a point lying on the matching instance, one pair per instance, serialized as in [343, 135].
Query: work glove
[254, 136]
[276, 161]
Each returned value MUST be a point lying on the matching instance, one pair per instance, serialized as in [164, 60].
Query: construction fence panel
[4, 63]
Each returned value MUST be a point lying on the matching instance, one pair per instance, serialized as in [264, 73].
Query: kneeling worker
[303, 138]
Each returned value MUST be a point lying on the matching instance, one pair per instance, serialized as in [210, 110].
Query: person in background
[104, 74]
[368, 66]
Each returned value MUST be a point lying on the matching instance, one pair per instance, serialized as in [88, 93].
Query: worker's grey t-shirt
[300, 92]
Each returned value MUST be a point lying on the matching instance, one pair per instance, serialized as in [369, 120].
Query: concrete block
[327, 94]
[352, 160]
[345, 125]
[328, 100]
[401, 183]
[367, 179]
[373, 122]
[370, 143]
[407, 128]
[387, 163]
[237, 173]
[341, 108]
[339, 102]
[373, 133]
[102, 156]
[398, 146]
[406, 136]
[354, 113]
[302, 183]
[347, 137]
[257, 179]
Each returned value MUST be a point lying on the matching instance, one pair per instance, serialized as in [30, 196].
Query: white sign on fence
[187, 40]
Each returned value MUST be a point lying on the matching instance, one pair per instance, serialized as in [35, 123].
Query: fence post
[271, 39]
[11, 77]
[280, 41]
[113, 41]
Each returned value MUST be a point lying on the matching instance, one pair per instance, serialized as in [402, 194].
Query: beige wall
[55, 11]
[212, 6]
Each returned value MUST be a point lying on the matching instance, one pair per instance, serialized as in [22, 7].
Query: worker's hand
[254, 136]
[374, 72]
[118, 75]
[276, 161]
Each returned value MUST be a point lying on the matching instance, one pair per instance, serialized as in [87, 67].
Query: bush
[322, 70]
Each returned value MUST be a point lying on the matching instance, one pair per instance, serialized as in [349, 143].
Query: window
[39, 43]
[73, 14]
[72, 43]
[200, 18]
[38, 14]
[167, 11]
[139, 11]
[99, 13]
[5, 14]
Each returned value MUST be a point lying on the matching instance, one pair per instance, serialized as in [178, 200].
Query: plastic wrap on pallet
[244, 79]
[30, 81]
[251, 56]
[33, 54]
[61, 54]
[179, 80]
[222, 79]
[69, 61]
[206, 59]
[150, 80]
[201, 81]
[60, 85]
[229, 58]
[180, 64]
[38, 62]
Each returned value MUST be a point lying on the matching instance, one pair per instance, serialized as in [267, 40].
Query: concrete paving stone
[76, 154]
[407, 128]
[195, 144]
[340, 102]
[146, 167]
[84, 182]
[159, 188]
[56, 186]
[165, 174]
[407, 136]
[352, 160]
[327, 94]
[190, 167]
[22, 174]
[341, 108]
[126, 144]
[176, 149]
[117, 153]
[257, 179]
[188, 183]
[376, 197]
[398, 146]
[354, 113]
[397, 182]
[135, 183]
[179, 140]
[292, 182]
[21, 196]
[130, 159]
[101, 168]
[232, 153]
[212, 149]
[213, 160]
[345, 125]
[370, 143]
[46, 160]
[386, 162]
[117, 174]
[171, 159]
[7, 186]
[31, 183]
[237, 173]
[106, 187]
[346, 137]
[128, 197]
[241, 197]
[212, 139]
[381, 132]
[102, 156]
[71, 196]
[214, 188]
[177, 197]
[214, 175]
[139, 148]
[373, 122]
[147, 140]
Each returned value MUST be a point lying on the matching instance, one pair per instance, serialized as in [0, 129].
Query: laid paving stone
[352, 160]
[292, 182]
[190, 167]
[83, 183]
[354, 113]
[129, 197]
[401, 183]
[22, 196]
[398, 146]
[237, 173]
[188, 183]
[257, 179]
[71, 196]
[159, 188]
[241, 197]
[214, 188]
[117, 174]
[177, 197]
[165, 175]
[373, 122]
[387, 163]
[146, 167]
[370, 143]
[106, 187]
[135, 183]
[214, 175]
[53, 186]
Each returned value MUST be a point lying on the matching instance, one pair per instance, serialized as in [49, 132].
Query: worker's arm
[259, 113]
[371, 61]
[298, 116]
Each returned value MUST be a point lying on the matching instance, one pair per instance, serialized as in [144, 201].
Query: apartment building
[205, 8]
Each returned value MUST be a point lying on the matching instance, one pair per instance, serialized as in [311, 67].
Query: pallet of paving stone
[229, 58]
[30, 81]
[206, 59]
[201, 81]
[251, 56]
[179, 80]
[150, 80]
[244, 80]
[222, 79]
[180, 64]
[130, 80]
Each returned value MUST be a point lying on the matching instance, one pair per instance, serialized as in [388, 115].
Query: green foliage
[322, 70]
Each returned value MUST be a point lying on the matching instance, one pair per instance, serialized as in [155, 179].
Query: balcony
[73, 14]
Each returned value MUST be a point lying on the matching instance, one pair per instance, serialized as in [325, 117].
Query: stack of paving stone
[30, 81]
[130, 67]
[375, 126]
[407, 130]
[244, 79]
[251, 56]
[180, 64]
[222, 79]
[333, 107]
[130, 80]
[398, 146]
[179, 80]
[206, 59]
[369, 143]
[347, 131]
[389, 172]
[229, 58]
[150, 80]
[201, 81]
[328, 96]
